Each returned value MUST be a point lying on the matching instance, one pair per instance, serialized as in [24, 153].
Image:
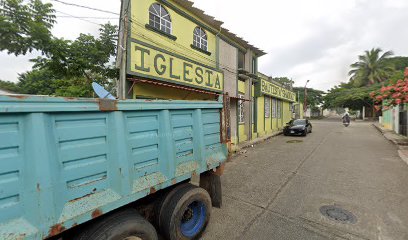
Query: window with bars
[200, 39]
[253, 110]
[241, 59]
[279, 108]
[241, 107]
[274, 108]
[159, 18]
[254, 66]
[267, 107]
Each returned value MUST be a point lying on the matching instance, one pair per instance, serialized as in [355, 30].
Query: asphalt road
[275, 189]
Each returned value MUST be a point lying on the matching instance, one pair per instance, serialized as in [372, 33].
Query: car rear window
[299, 122]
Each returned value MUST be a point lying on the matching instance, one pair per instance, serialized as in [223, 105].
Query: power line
[115, 18]
[227, 68]
[69, 15]
[81, 6]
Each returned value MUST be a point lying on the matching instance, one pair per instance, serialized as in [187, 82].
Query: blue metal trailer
[68, 161]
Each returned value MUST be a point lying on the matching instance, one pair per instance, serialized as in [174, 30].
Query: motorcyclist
[346, 118]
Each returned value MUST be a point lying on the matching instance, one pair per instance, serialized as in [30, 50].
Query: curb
[252, 143]
[383, 133]
[402, 153]
[378, 128]
[259, 140]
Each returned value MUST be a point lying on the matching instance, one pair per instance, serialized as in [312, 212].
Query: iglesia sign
[159, 64]
[267, 88]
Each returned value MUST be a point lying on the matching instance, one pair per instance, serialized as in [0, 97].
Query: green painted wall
[387, 121]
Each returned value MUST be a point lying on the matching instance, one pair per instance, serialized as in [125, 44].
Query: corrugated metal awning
[158, 83]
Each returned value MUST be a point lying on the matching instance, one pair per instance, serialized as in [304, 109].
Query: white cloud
[314, 39]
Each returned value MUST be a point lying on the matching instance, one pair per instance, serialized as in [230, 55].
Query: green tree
[9, 86]
[66, 68]
[37, 82]
[85, 59]
[372, 67]
[346, 95]
[25, 26]
[399, 63]
[285, 81]
[314, 96]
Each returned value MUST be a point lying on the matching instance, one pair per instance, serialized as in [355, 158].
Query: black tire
[119, 226]
[176, 209]
[304, 133]
[310, 130]
[159, 207]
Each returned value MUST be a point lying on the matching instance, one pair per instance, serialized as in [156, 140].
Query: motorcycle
[346, 121]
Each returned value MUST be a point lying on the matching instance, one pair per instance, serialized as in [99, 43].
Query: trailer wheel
[160, 205]
[187, 214]
[123, 225]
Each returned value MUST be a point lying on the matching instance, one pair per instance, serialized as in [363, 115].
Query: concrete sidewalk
[400, 141]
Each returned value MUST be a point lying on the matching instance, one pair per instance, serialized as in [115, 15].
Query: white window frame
[241, 109]
[160, 18]
[200, 39]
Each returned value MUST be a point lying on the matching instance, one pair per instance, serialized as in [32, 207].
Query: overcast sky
[313, 39]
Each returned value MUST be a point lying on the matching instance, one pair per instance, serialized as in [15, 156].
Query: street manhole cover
[294, 141]
[338, 214]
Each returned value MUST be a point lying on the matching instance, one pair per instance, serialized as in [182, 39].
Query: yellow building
[274, 106]
[176, 51]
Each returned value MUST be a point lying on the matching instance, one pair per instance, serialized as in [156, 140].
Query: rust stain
[79, 198]
[70, 98]
[220, 170]
[108, 105]
[96, 213]
[18, 96]
[174, 181]
[152, 190]
[55, 230]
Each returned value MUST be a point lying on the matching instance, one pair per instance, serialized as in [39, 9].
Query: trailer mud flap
[211, 181]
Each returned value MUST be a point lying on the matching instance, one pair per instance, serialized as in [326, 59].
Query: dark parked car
[298, 127]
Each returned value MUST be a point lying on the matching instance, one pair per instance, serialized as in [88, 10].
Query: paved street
[275, 190]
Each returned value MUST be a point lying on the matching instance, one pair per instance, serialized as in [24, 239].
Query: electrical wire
[72, 16]
[131, 19]
[81, 6]
[87, 17]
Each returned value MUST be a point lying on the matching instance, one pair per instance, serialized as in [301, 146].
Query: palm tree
[371, 68]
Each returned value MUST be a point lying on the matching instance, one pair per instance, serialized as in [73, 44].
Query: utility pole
[121, 60]
[298, 105]
[305, 98]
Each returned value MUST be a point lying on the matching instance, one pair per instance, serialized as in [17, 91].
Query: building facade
[176, 51]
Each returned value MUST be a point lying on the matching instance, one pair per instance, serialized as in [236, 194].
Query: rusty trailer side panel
[66, 161]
